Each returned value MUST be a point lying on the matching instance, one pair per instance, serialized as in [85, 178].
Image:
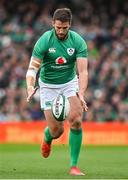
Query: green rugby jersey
[59, 56]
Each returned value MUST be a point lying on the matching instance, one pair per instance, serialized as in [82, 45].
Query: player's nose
[61, 31]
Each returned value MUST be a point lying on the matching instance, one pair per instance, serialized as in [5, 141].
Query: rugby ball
[60, 107]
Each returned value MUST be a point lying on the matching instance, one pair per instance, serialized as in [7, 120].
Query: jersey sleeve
[40, 47]
[81, 49]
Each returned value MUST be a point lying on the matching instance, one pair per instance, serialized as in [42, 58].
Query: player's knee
[75, 120]
[75, 124]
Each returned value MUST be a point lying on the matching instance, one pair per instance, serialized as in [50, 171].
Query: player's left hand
[31, 91]
[83, 102]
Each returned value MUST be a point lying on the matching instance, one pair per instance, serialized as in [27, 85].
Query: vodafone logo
[61, 60]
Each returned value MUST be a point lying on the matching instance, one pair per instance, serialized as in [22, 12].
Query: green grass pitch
[98, 162]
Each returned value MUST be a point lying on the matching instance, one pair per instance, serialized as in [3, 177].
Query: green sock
[48, 136]
[75, 141]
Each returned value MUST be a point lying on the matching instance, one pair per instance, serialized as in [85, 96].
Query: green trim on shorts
[46, 105]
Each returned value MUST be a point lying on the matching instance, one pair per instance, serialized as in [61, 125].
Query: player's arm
[33, 68]
[34, 65]
[82, 68]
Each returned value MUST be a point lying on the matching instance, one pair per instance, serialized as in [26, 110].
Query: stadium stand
[103, 24]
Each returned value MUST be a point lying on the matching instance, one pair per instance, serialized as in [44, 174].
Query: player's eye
[58, 27]
[64, 28]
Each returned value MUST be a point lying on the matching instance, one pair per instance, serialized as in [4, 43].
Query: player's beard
[62, 36]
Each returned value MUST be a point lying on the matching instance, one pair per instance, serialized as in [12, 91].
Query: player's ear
[53, 23]
[70, 23]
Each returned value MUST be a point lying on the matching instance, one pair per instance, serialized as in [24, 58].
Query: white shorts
[49, 91]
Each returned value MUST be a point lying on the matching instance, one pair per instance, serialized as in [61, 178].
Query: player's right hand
[31, 91]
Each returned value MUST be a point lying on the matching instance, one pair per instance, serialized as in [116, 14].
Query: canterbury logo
[52, 50]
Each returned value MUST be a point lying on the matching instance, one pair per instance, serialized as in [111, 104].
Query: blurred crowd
[104, 26]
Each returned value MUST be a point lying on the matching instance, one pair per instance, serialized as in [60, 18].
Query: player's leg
[75, 120]
[54, 128]
[75, 137]
[52, 131]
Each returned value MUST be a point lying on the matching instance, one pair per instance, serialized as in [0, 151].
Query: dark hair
[63, 15]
